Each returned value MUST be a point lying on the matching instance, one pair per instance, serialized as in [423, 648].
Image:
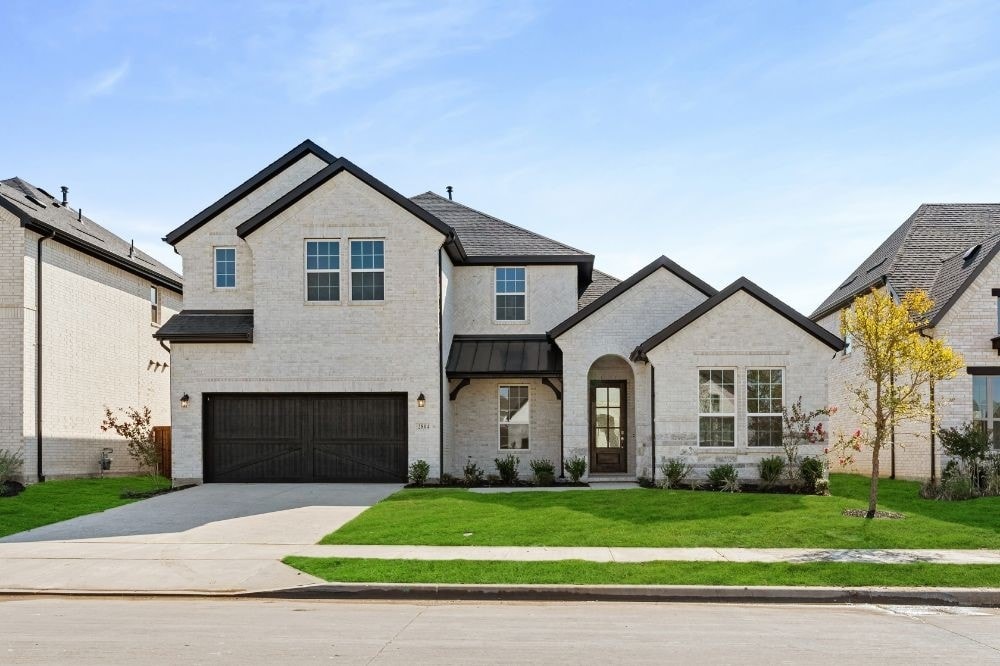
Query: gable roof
[42, 213]
[620, 288]
[915, 256]
[745, 285]
[601, 284]
[307, 147]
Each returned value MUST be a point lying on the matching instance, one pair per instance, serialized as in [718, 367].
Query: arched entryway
[611, 421]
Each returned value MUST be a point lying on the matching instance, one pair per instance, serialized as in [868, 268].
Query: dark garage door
[296, 437]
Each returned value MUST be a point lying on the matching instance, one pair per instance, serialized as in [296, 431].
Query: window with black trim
[510, 293]
[367, 270]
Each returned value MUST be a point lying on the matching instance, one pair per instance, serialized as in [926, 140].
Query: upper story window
[225, 267]
[717, 407]
[154, 304]
[510, 293]
[322, 270]
[765, 395]
[367, 270]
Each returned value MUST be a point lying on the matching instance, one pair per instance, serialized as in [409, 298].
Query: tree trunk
[873, 490]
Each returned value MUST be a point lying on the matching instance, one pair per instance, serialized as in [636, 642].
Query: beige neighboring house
[98, 299]
[949, 251]
[335, 330]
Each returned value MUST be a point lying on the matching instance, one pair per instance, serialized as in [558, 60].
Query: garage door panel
[247, 462]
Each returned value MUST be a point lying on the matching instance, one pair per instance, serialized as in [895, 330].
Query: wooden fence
[161, 436]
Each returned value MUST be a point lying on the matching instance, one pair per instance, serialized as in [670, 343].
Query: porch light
[185, 400]
[421, 400]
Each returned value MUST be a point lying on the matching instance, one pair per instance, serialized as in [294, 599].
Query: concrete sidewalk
[603, 554]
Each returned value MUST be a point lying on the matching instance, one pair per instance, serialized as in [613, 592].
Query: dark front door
[305, 437]
[608, 427]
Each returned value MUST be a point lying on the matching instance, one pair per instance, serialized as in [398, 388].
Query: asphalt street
[53, 630]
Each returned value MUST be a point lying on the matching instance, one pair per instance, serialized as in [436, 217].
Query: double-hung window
[717, 407]
[765, 394]
[154, 304]
[225, 267]
[367, 270]
[510, 293]
[322, 270]
[986, 406]
[515, 417]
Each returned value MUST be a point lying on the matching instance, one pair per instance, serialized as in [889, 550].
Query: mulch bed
[863, 513]
[517, 484]
[146, 494]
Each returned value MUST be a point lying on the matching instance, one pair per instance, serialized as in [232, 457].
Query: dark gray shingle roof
[483, 235]
[925, 253]
[602, 284]
[208, 326]
[43, 207]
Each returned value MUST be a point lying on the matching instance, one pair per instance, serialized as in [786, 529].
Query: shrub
[810, 471]
[544, 471]
[10, 465]
[507, 468]
[957, 488]
[136, 427]
[419, 472]
[770, 471]
[674, 471]
[724, 477]
[576, 467]
[448, 479]
[822, 487]
[472, 474]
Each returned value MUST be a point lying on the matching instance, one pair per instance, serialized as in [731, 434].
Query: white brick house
[335, 330]
[98, 300]
[949, 251]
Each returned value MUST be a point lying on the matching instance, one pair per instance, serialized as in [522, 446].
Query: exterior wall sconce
[185, 400]
[421, 400]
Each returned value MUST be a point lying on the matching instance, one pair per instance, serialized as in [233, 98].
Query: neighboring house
[335, 330]
[949, 251]
[97, 298]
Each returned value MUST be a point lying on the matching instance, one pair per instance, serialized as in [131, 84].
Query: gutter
[38, 354]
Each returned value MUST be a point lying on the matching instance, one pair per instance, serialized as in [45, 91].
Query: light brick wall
[97, 350]
[476, 430]
[11, 333]
[739, 333]
[615, 330]
[337, 347]
[551, 298]
[198, 250]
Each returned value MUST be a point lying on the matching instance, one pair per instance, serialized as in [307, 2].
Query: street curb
[924, 596]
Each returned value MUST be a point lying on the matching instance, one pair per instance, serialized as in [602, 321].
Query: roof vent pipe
[448, 190]
[65, 191]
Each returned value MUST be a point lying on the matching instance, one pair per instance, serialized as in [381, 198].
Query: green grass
[576, 572]
[675, 518]
[53, 501]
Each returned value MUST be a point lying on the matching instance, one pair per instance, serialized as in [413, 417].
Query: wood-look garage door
[278, 437]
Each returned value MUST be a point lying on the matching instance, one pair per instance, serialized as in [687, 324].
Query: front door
[608, 427]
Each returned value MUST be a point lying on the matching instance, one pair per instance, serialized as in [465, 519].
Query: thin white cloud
[106, 81]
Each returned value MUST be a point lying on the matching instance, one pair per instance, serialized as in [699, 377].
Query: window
[515, 417]
[367, 270]
[986, 405]
[510, 293]
[225, 267]
[765, 393]
[154, 304]
[322, 270]
[717, 407]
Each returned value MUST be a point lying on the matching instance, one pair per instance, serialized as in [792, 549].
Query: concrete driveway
[214, 538]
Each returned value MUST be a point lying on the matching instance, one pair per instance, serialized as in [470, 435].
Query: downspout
[892, 436]
[38, 354]
[933, 414]
[652, 417]
[562, 429]
[440, 365]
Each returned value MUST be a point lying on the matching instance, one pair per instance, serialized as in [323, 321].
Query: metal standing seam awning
[475, 356]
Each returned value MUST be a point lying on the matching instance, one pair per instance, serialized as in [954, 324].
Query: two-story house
[335, 330]
[949, 251]
[77, 305]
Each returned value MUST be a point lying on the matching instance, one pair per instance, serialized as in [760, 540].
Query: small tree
[899, 363]
[137, 429]
[799, 428]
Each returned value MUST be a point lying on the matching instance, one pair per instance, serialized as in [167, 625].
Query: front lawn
[53, 501]
[576, 572]
[675, 518]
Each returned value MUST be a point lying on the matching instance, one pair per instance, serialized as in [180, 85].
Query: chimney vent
[65, 191]
[448, 190]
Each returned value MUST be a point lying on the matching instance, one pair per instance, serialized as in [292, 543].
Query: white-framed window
[510, 293]
[717, 407]
[322, 271]
[225, 268]
[154, 304]
[765, 401]
[986, 406]
[515, 416]
[367, 270]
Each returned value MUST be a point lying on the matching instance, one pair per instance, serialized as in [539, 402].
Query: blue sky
[778, 140]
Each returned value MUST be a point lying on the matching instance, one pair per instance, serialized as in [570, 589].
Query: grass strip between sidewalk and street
[578, 572]
[53, 501]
